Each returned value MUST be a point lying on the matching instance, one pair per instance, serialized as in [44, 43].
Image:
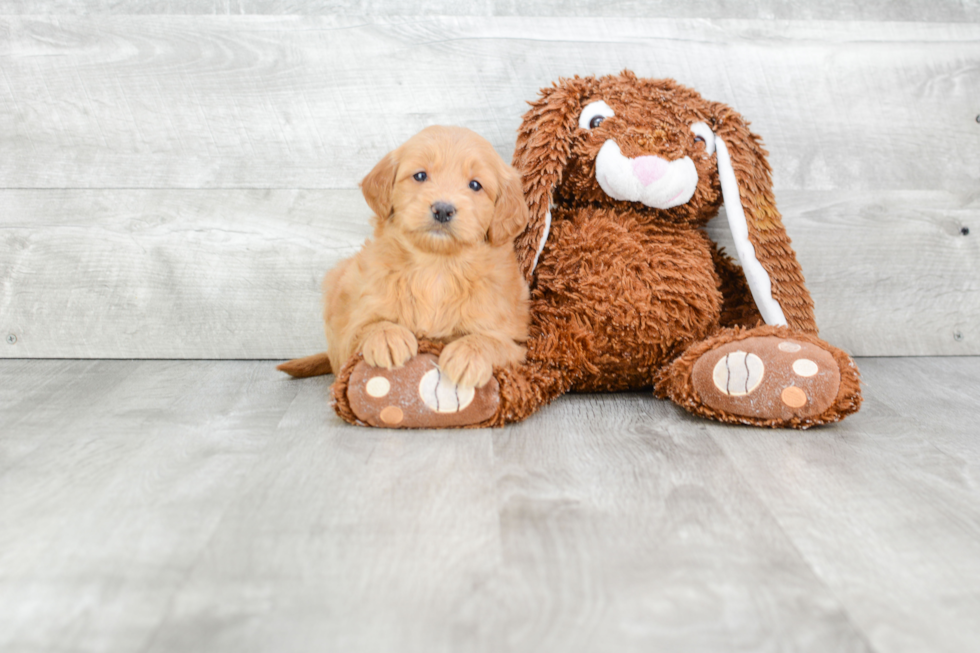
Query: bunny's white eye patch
[594, 113]
[702, 130]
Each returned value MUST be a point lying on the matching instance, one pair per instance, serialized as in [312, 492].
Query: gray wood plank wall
[874, 10]
[175, 185]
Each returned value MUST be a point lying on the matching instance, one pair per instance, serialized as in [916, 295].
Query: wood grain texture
[167, 505]
[313, 101]
[176, 186]
[879, 10]
[236, 273]
[171, 274]
[903, 479]
[150, 455]
[627, 512]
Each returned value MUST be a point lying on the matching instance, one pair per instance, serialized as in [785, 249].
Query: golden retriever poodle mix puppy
[440, 266]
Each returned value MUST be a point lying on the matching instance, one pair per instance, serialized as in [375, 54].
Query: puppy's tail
[301, 368]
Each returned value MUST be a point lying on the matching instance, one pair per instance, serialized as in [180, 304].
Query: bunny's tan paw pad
[417, 395]
[767, 377]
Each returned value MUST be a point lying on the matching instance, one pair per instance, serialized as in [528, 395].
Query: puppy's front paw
[389, 346]
[465, 364]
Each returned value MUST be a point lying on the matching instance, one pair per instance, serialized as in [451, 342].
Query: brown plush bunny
[621, 175]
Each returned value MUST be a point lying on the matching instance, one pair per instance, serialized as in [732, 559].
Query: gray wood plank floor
[216, 506]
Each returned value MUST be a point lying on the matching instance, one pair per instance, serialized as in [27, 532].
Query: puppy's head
[446, 189]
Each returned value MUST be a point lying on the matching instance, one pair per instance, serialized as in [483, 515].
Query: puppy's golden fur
[455, 281]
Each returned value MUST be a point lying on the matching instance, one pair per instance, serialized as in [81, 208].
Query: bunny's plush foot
[416, 395]
[766, 376]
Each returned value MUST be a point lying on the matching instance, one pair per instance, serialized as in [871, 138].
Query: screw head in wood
[11, 339]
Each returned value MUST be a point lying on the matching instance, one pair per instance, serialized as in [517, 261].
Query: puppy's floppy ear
[510, 209]
[768, 260]
[379, 184]
[543, 146]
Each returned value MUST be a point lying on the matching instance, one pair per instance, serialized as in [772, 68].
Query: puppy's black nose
[443, 212]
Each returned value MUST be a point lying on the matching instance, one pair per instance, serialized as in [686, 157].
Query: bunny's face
[646, 147]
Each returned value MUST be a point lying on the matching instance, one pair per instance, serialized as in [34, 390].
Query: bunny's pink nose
[649, 169]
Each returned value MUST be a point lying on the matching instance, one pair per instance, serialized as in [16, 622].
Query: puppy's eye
[475, 185]
[594, 113]
[420, 176]
[698, 139]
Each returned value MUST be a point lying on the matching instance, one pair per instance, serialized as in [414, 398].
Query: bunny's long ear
[768, 260]
[543, 146]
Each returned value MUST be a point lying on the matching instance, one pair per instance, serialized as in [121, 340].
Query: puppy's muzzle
[443, 212]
